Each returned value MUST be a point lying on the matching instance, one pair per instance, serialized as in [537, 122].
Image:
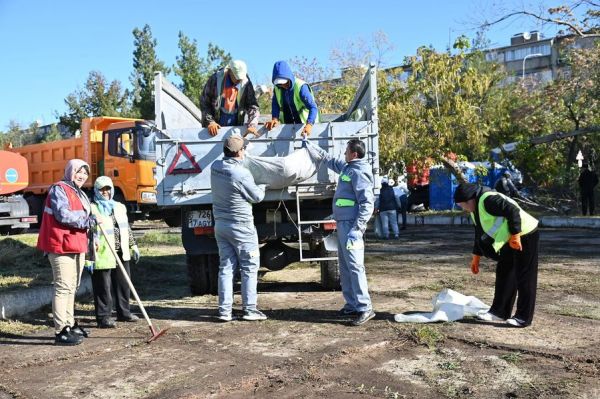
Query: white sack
[280, 172]
[448, 305]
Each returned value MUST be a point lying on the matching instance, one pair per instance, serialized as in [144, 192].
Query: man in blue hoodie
[293, 101]
[353, 204]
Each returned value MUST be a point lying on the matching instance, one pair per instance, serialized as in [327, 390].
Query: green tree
[194, 70]
[52, 135]
[145, 63]
[97, 98]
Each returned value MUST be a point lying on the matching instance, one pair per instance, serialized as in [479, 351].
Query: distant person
[108, 282]
[293, 101]
[588, 180]
[505, 186]
[353, 204]
[506, 233]
[63, 236]
[401, 192]
[228, 97]
[234, 191]
[385, 207]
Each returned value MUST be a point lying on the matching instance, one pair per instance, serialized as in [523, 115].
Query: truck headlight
[148, 196]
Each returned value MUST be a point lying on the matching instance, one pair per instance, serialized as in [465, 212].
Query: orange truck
[14, 212]
[120, 148]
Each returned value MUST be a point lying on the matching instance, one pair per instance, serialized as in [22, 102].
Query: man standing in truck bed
[353, 204]
[234, 192]
[228, 97]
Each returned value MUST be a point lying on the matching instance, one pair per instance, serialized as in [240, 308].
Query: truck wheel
[330, 270]
[173, 219]
[203, 273]
[36, 207]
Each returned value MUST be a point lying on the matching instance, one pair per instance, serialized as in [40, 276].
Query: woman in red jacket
[64, 238]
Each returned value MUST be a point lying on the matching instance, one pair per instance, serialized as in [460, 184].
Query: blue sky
[48, 48]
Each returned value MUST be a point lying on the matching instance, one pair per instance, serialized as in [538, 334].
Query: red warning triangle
[192, 158]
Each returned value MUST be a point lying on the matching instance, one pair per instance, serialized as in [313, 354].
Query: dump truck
[120, 148]
[14, 211]
[293, 224]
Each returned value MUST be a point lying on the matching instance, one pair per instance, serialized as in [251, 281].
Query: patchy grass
[160, 238]
[429, 336]
[21, 264]
[14, 327]
[513, 357]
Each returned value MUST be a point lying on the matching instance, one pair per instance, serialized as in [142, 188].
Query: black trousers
[110, 287]
[516, 278]
[587, 202]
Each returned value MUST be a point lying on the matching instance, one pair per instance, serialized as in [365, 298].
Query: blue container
[442, 185]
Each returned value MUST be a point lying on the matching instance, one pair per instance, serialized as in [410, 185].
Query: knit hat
[465, 192]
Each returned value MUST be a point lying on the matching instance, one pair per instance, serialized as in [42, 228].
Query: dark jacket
[587, 181]
[211, 101]
[282, 70]
[497, 206]
[387, 199]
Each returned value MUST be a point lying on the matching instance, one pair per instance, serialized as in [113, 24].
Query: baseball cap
[280, 81]
[234, 143]
[239, 69]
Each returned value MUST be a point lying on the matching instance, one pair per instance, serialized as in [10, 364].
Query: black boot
[66, 337]
[78, 330]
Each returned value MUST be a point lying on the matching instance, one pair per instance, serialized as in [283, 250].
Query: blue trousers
[353, 277]
[389, 218]
[238, 248]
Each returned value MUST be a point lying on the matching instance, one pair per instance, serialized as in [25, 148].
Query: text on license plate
[201, 218]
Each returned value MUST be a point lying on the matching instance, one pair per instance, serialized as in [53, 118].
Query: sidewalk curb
[20, 302]
[582, 222]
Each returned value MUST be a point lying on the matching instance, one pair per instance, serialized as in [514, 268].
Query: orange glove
[213, 128]
[272, 123]
[475, 264]
[307, 129]
[251, 130]
[515, 242]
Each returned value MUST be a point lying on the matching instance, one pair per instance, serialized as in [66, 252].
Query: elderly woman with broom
[106, 277]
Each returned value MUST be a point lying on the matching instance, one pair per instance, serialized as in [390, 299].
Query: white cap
[280, 81]
[239, 69]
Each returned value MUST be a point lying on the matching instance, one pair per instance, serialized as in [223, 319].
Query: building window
[520, 53]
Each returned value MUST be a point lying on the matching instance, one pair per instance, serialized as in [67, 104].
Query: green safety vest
[220, 86]
[497, 226]
[302, 110]
[104, 257]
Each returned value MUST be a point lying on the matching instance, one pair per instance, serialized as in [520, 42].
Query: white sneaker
[487, 316]
[225, 317]
[513, 321]
[253, 315]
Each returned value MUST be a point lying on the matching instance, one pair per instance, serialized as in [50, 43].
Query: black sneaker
[363, 317]
[129, 319]
[78, 330]
[67, 338]
[106, 322]
[347, 312]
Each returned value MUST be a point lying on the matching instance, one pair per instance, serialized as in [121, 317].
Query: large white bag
[280, 172]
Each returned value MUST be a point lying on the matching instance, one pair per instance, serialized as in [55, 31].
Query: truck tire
[203, 274]
[173, 219]
[330, 270]
[36, 207]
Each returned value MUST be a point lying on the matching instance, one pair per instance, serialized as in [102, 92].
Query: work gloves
[213, 128]
[251, 130]
[515, 242]
[135, 254]
[89, 266]
[307, 129]
[355, 240]
[475, 264]
[272, 123]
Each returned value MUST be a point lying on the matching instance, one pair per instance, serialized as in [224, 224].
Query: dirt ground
[306, 350]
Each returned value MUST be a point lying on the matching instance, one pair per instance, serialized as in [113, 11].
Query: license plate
[200, 219]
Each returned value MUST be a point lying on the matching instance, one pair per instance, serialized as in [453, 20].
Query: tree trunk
[454, 169]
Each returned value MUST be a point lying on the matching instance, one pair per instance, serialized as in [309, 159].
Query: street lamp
[528, 56]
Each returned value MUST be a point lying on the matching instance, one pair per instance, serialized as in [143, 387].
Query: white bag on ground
[280, 172]
[448, 305]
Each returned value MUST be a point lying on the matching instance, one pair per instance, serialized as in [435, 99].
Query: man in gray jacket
[234, 191]
[353, 204]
